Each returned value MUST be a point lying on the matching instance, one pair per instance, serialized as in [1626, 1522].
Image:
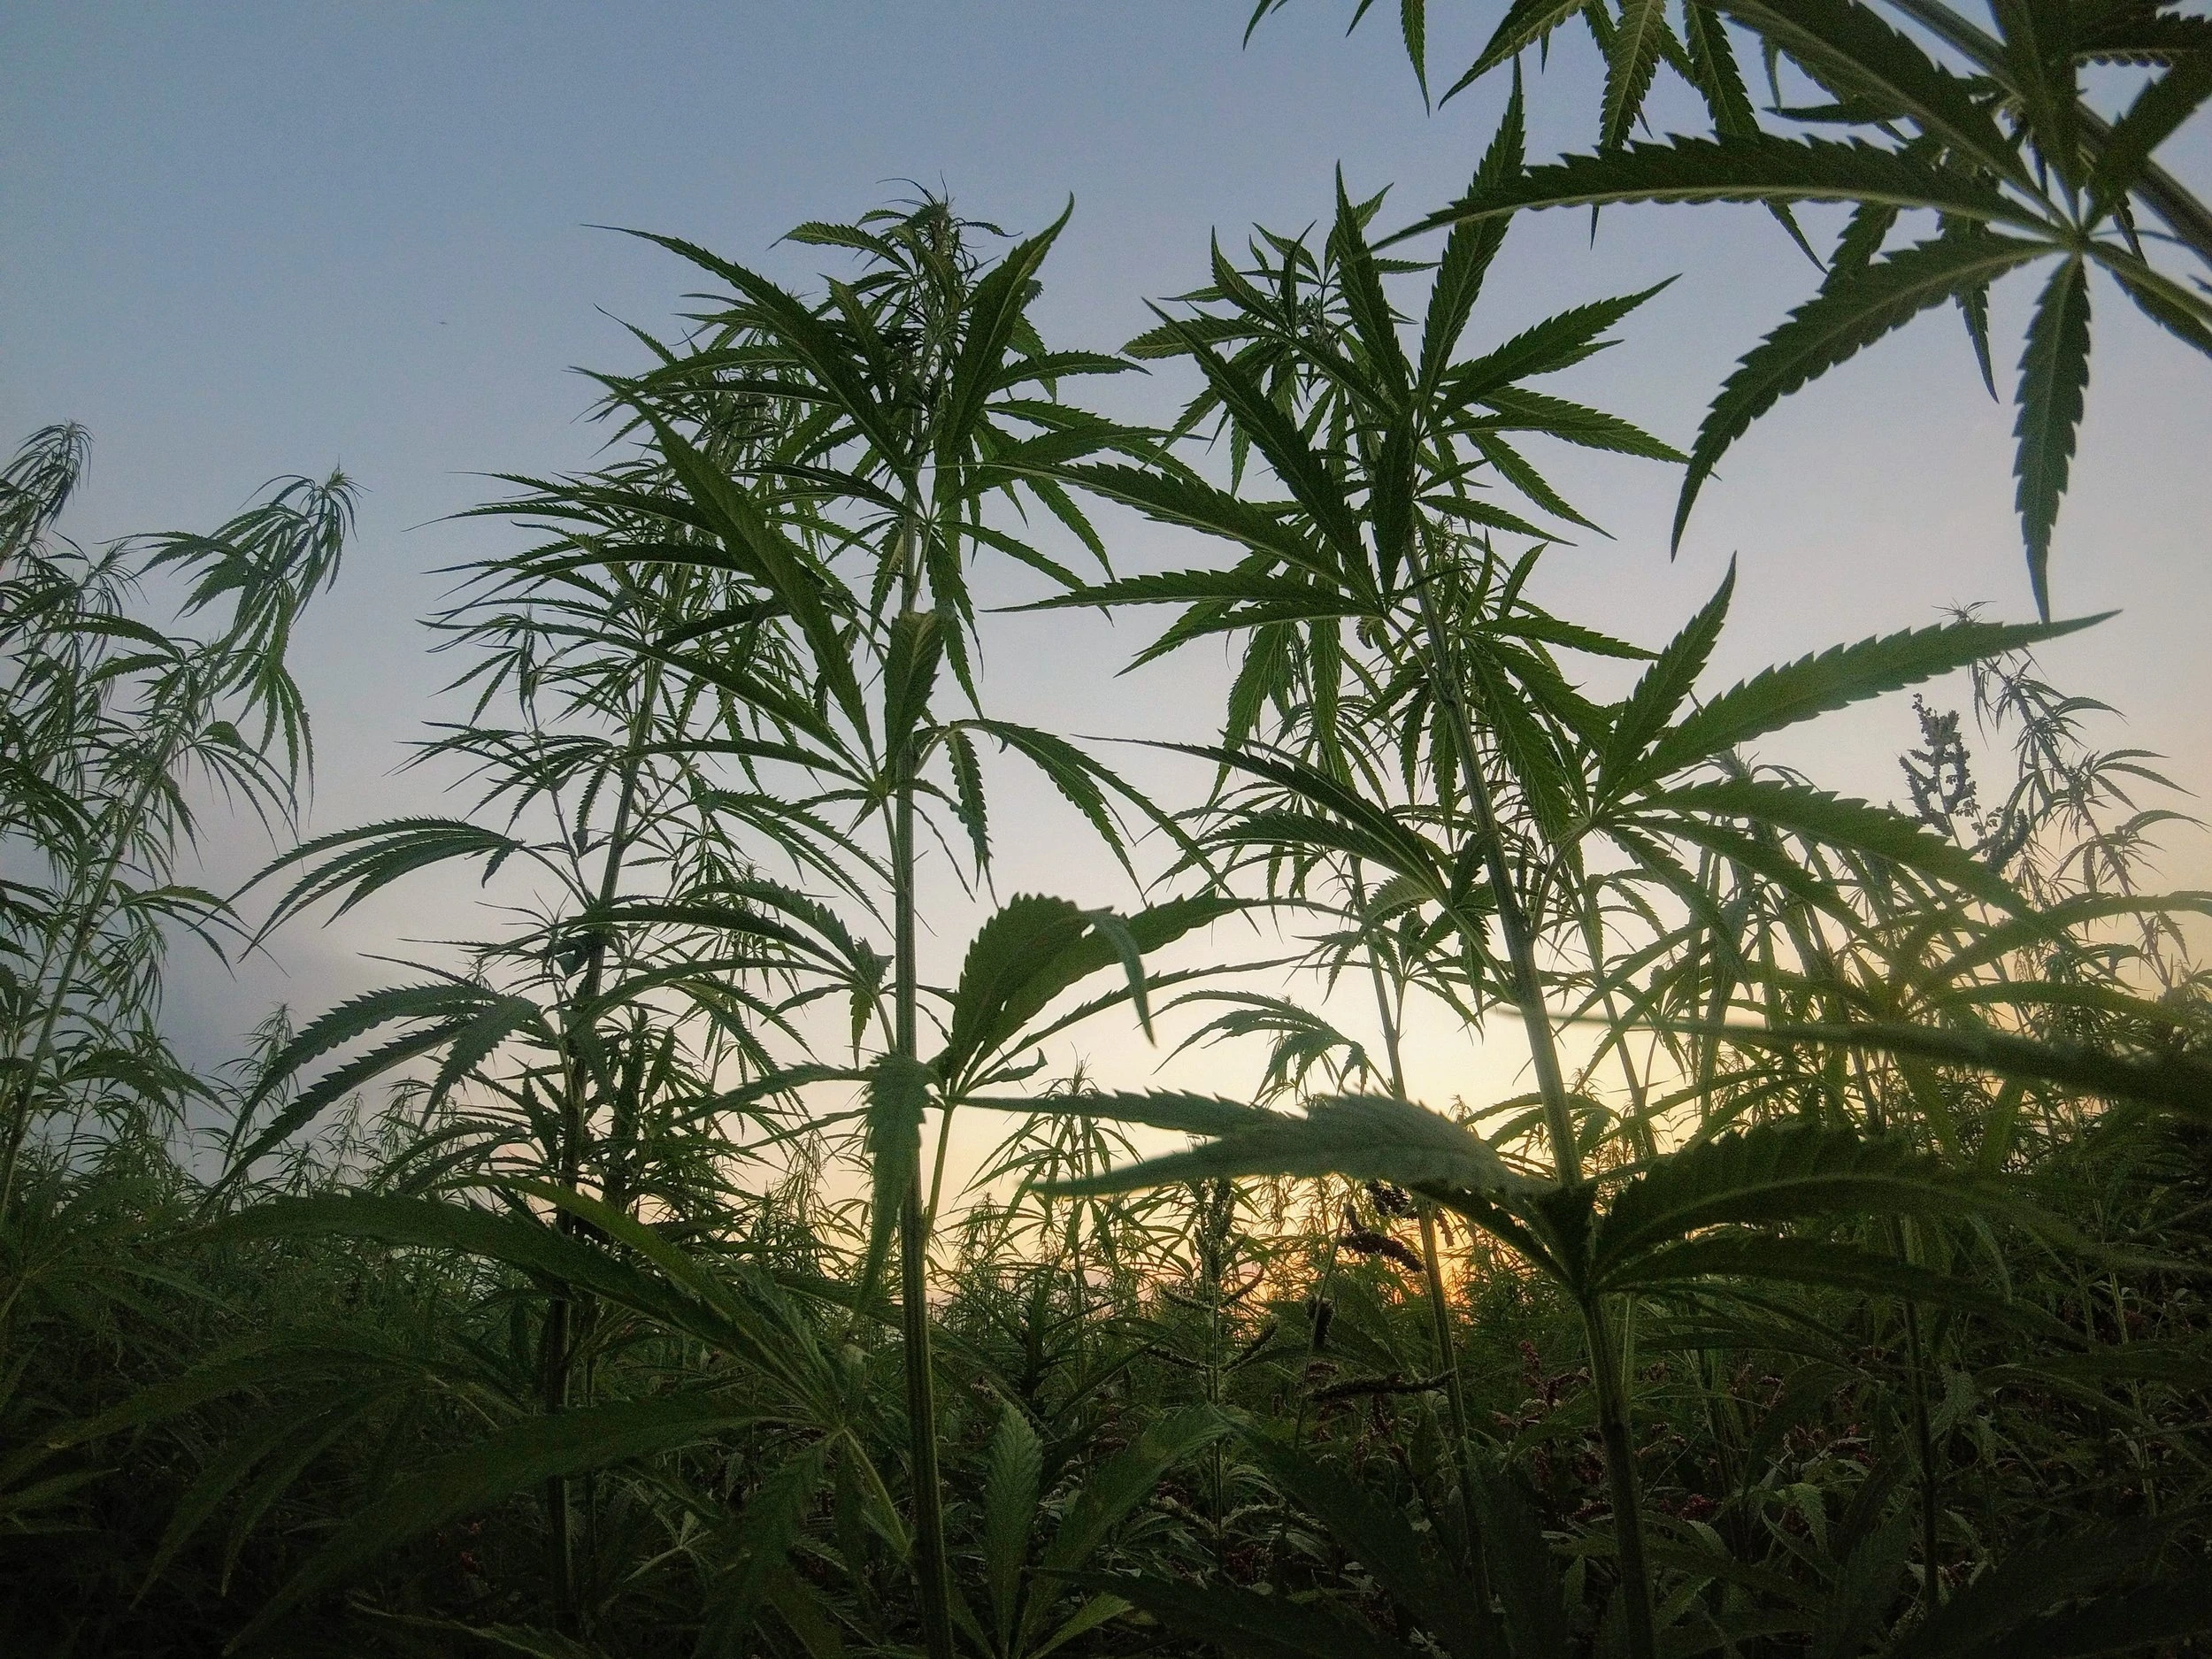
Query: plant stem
[914, 1213]
[1924, 1437]
[1432, 1272]
[23, 1099]
[1923, 1441]
[566, 1312]
[1620, 1478]
[1528, 995]
[1613, 1401]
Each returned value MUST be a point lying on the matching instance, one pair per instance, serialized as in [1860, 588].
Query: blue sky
[248, 239]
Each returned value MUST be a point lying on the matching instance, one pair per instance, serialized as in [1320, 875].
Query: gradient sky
[247, 240]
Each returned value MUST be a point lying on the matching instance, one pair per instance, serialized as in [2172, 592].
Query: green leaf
[1837, 821]
[1266, 598]
[1629, 67]
[1525, 24]
[1717, 77]
[969, 802]
[1366, 1137]
[1523, 1570]
[1160, 1108]
[1189, 501]
[1014, 1464]
[1007, 975]
[517, 1241]
[441, 1013]
[1305, 474]
[1379, 1537]
[1518, 409]
[1557, 342]
[1083, 783]
[1700, 1263]
[1840, 676]
[808, 338]
[1034, 949]
[371, 858]
[1775, 1172]
[1382, 837]
[1746, 168]
[1126, 1480]
[291, 1438]
[1374, 324]
[1852, 49]
[2158, 296]
[994, 312]
[1865, 1588]
[758, 1542]
[1413, 29]
[917, 645]
[784, 567]
[2177, 1082]
[2054, 376]
[2156, 114]
[2039, 71]
[898, 1095]
[1835, 325]
[1534, 624]
[1468, 252]
[1665, 685]
[515, 1459]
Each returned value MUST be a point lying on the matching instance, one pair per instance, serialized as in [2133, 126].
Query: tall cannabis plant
[111, 727]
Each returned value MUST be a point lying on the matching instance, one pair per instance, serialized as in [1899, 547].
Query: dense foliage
[609, 1289]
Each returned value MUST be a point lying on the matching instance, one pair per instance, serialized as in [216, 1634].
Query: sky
[250, 240]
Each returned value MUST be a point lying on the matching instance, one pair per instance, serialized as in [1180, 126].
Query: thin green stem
[1520, 948]
[1620, 1478]
[915, 1211]
[24, 1098]
[1613, 1400]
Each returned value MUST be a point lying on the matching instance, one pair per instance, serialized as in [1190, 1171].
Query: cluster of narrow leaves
[1986, 139]
[112, 731]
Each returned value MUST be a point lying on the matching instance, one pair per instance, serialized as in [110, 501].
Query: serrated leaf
[2054, 377]
[910, 657]
[1013, 1464]
[1629, 67]
[2179, 1082]
[2156, 114]
[1838, 677]
[898, 1093]
[1746, 168]
[1160, 1108]
[1703, 1261]
[1665, 684]
[1837, 821]
[1850, 47]
[1366, 1137]
[1126, 1480]
[1837, 323]
[1526, 22]
[1775, 1172]
[758, 1542]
